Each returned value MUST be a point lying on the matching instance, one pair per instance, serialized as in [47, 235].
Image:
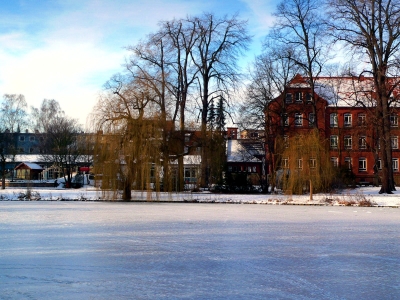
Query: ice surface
[97, 250]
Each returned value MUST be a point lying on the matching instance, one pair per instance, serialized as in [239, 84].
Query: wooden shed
[28, 171]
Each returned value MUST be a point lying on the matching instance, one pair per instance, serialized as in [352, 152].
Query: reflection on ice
[80, 250]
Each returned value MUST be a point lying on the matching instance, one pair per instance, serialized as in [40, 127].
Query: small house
[28, 171]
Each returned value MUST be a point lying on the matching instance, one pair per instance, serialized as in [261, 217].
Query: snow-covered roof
[31, 166]
[189, 160]
[236, 151]
[341, 91]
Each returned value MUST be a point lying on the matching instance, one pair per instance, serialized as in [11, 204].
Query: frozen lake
[94, 250]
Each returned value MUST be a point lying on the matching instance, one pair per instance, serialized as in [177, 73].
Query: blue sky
[67, 49]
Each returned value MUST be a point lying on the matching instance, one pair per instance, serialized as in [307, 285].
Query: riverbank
[363, 196]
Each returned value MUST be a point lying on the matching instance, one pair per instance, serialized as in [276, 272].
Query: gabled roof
[31, 166]
[342, 91]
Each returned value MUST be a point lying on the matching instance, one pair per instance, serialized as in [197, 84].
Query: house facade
[342, 109]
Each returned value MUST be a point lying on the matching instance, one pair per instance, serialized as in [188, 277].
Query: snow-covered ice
[105, 250]
[90, 193]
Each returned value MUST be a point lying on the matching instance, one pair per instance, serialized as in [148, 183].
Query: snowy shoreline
[365, 196]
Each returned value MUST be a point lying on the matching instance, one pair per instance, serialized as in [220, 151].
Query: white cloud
[69, 50]
[70, 73]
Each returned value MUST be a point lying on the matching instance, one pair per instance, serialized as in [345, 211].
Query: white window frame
[286, 141]
[285, 163]
[333, 118]
[362, 164]
[394, 121]
[299, 163]
[298, 96]
[334, 141]
[335, 161]
[347, 119]
[298, 119]
[313, 163]
[362, 118]
[348, 142]
[394, 142]
[395, 164]
[311, 119]
[379, 164]
[362, 142]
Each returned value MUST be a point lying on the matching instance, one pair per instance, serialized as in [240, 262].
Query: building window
[362, 118]
[362, 164]
[254, 169]
[379, 164]
[308, 97]
[334, 120]
[286, 141]
[334, 141]
[298, 119]
[298, 97]
[313, 163]
[395, 164]
[32, 138]
[362, 142]
[299, 163]
[31, 150]
[394, 142]
[285, 120]
[21, 138]
[335, 161]
[394, 121]
[21, 150]
[311, 119]
[190, 174]
[347, 120]
[347, 163]
[348, 142]
[288, 98]
[254, 134]
[285, 163]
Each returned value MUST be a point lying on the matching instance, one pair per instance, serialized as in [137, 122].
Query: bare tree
[300, 29]
[372, 29]
[221, 42]
[182, 38]
[43, 116]
[13, 111]
[62, 145]
[12, 117]
[269, 77]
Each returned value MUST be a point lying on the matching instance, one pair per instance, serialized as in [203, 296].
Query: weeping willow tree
[306, 164]
[129, 142]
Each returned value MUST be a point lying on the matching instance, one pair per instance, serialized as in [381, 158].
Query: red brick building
[343, 111]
